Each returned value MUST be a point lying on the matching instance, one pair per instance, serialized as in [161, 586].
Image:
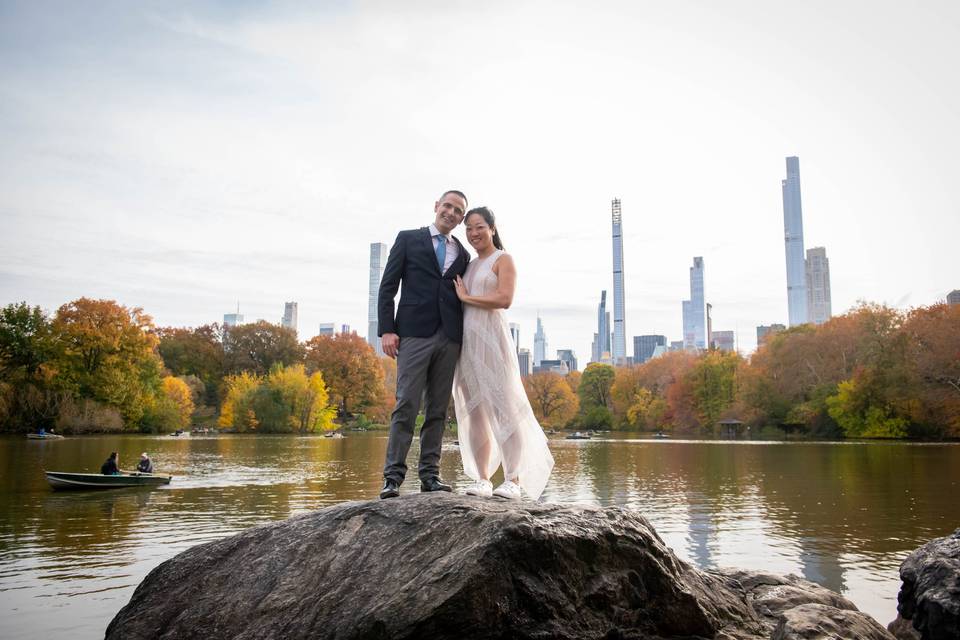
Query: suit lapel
[428, 243]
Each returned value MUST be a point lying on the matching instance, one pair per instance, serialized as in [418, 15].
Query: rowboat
[60, 480]
[44, 436]
[578, 436]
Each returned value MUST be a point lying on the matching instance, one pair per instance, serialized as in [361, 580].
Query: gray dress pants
[425, 368]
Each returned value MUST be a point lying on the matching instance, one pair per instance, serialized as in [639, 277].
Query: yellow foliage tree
[553, 402]
[236, 411]
[178, 392]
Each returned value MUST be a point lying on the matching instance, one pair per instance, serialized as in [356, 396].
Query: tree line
[873, 372]
[98, 366]
[95, 365]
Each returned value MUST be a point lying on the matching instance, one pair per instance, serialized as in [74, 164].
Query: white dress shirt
[452, 249]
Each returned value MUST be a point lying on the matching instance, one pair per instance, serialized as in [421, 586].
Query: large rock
[930, 594]
[448, 566]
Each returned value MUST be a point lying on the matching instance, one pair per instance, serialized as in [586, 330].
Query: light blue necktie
[441, 251]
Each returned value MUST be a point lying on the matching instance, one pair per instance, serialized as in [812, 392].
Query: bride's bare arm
[502, 298]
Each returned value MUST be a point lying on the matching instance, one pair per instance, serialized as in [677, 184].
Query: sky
[186, 156]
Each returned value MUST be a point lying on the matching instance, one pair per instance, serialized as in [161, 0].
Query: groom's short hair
[459, 193]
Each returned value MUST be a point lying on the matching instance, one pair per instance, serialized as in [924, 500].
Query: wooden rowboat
[60, 480]
[44, 436]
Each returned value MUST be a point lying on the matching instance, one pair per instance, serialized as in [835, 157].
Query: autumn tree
[170, 409]
[198, 352]
[713, 380]
[236, 412]
[351, 368]
[382, 410]
[635, 405]
[108, 354]
[286, 400]
[933, 335]
[258, 346]
[553, 402]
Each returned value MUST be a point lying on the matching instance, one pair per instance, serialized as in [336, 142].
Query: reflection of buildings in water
[701, 530]
[820, 565]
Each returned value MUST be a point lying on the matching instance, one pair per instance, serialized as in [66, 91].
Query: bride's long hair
[491, 221]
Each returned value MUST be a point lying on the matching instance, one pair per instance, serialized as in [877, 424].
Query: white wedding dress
[495, 423]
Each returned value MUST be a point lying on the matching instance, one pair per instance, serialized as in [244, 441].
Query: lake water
[840, 514]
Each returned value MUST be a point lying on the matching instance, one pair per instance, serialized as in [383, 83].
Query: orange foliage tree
[354, 375]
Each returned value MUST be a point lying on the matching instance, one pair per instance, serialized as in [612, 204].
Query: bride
[495, 423]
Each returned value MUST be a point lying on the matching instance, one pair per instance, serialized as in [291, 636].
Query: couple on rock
[449, 331]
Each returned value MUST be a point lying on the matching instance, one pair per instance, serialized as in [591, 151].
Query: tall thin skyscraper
[818, 285]
[695, 310]
[619, 330]
[515, 336]
[793, 239]
[601, 340]
[378, 261]
[289, 315]
[539, 344]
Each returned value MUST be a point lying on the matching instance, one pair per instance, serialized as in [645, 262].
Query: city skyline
[199, 154]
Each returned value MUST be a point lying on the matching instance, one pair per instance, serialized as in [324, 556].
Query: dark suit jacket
[428, 300]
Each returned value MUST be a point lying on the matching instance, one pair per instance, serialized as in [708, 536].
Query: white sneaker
[509, 489]
[483, 489]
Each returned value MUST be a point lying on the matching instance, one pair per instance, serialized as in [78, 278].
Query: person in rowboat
[111, 466]
[145, 465]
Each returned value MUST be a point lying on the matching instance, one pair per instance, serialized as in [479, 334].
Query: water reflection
[842, 515]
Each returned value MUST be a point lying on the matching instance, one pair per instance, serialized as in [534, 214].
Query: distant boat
[44, 436]
[660, 434]
[61, 480]
[335, 434]
[578, 436]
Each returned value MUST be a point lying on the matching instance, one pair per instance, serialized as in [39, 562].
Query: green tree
[595, 385]
[30, 396]
[26, 341]
[861, 414]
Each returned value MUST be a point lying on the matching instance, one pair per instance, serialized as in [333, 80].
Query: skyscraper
[327, 329]
[601, 339]
[378, 261]
[818, 285]
[233, 319]
[724, 341]
[539, 344]
[793, 239]
[569, 357]
[644, 346]
[515, 336]
[523, 359]
[953, 297]
[289, 315]
[764, 332]
[694, 310]
[619, 330]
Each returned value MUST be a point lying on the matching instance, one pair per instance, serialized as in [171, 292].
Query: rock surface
[930, 594]
[448, 566]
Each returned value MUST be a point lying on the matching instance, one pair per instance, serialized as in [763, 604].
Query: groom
[424, 337]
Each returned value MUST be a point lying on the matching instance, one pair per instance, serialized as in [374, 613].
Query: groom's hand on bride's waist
[390, 343]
